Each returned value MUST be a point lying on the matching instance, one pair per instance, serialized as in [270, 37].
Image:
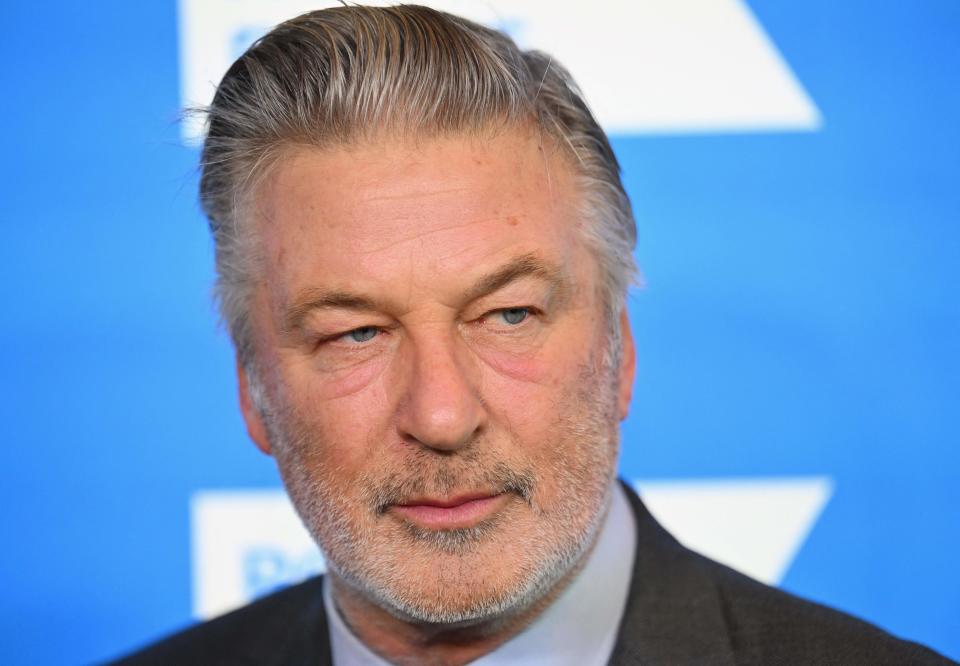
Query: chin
[461, 578]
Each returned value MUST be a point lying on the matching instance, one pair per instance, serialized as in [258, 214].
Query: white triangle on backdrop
[756, 526]
[645, 66]
[245, 542]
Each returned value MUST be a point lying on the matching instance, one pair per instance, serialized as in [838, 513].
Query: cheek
[350, 385]
[529, 396]
[552, 360]
[344, 418]
[516, 368]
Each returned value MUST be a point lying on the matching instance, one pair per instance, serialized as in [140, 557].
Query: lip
[458, 512]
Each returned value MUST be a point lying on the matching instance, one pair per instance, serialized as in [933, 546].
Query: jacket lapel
[308, 639]
[674, 614]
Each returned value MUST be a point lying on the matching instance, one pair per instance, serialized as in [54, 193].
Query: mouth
[460, 512]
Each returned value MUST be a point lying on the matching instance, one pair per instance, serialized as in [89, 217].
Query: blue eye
[362, 334]
[514, 316]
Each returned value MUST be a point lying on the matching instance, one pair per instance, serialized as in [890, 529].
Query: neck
[424, 644]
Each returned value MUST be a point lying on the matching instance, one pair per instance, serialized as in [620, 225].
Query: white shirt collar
[578, 629]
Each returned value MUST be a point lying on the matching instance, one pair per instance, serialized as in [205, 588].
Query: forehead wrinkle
[423, 234]
[415, 194]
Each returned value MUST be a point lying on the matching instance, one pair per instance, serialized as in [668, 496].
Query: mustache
[418, 480]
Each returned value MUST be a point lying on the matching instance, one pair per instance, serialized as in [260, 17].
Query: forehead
[405, 212]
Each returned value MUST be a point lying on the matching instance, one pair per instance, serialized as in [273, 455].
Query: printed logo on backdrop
[245, 544]
[646, 67]
[249, 543]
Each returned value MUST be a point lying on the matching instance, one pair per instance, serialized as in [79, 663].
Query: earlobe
[251, 413]
[628, 364]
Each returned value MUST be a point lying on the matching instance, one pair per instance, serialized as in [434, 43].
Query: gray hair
[350, 73]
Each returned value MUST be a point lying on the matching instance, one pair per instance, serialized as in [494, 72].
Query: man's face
[431, 348]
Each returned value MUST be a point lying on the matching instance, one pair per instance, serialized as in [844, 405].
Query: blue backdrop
[801, 318]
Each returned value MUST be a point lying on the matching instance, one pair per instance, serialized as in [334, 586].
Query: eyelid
[326, 338]
[348, 334]
[531, 310]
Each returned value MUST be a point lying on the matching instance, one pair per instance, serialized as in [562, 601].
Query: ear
[628, 364]
[251, 414]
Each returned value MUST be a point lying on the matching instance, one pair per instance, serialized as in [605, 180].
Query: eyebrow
[527, 265]
[523, 266]
[318, 299]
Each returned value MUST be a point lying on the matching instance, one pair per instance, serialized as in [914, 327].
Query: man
[423, 249]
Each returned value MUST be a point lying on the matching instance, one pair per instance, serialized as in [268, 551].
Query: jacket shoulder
[287, 623]
[770, 626]
[683, 608]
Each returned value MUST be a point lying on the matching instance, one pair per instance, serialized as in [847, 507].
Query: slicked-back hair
[337, 76]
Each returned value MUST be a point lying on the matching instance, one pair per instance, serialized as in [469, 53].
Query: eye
[514, 316]
[361, 335]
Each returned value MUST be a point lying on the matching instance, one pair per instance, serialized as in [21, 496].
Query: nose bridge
[441, 406]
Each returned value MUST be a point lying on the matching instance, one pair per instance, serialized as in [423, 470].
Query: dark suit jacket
[682, 609]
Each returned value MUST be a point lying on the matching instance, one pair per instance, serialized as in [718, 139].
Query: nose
[441, 406]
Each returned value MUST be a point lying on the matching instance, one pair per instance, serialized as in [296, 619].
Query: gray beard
[344, 540]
